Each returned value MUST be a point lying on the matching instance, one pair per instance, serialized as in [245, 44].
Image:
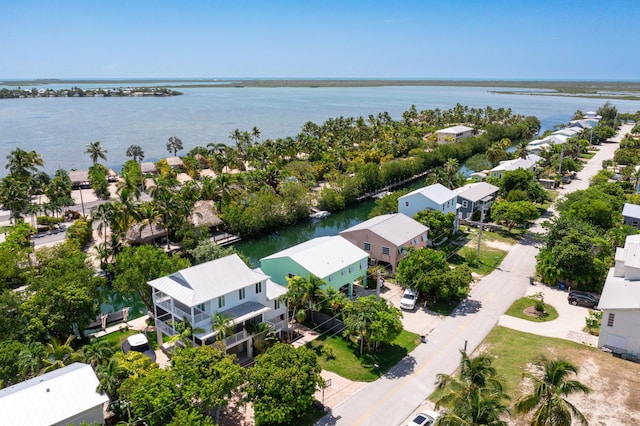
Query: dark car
[583, 298]
[138, 343]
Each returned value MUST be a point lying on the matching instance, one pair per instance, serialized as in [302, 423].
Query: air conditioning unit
[372, 261]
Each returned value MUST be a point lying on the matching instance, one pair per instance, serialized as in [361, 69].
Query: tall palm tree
[521, 150]
[57, 354]
[222, 324]
[97, 352]
[474, 398]
[14, 196]
[96, 151]
[129, 186]
[551, 385]
[22, 164]
[174, 145]
[110, 377]
[136, 152]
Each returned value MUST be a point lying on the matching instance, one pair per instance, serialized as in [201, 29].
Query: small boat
[381, 194]
[320, 214]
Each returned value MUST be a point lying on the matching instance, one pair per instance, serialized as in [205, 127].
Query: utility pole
[480, 233]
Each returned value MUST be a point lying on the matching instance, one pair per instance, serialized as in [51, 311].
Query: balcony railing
[277, 325]
[164, 327]
[184, 315]
[236, 338]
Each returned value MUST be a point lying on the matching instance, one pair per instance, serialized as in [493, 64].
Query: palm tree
[97, 352]
[148, 215]
[128, 186]
[474, 398]
[174, 145]
[110, 377]
[521, 150]
[136, 152]
[14, 196]
[264, 335]
[222, 324]
[550, 387]
[57, 355]
[184, 334]
[96, 151]
[22, 164]
[30, 359]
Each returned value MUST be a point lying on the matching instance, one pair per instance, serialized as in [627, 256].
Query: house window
[221, 302]
[464, 203]
[241, 293]
[610, 319]
[276, 304]
[352, 269]
[385, 251]
[343, 272]
[363, 264]
[424, 237]
[330, 278]
[406, 204]
[201, 307]
[367, 246]
[259, 287]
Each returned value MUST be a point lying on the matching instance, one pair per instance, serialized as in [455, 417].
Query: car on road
[425, 418]
[583, 298]
[409, 299]
[138, 343]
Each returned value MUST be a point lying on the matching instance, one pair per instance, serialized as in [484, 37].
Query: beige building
[387, 237]
[454, 134]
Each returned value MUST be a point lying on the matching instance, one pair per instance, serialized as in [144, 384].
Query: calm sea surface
[60, 128]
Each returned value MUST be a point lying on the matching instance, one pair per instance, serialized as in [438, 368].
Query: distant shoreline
[627, 90]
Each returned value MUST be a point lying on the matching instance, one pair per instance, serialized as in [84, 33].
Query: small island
[76, 92]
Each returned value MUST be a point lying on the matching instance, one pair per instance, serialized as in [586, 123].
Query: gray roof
[323, 256]
[515, 164]
[52, 397]
[437, 193]
[476, 191]
[135, 235]
[207, 281]
[631, 210]
[396, 228]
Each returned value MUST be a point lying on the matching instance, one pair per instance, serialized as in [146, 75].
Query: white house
[64, 396]
[620, 301]
[223, 285]
[454, 134]
[510, 165]
[631, 215]
[432, 197]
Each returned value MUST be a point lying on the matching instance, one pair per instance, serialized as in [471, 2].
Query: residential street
[402, 390]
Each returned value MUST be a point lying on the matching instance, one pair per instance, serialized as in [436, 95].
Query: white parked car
[425, 418]
[409, 299]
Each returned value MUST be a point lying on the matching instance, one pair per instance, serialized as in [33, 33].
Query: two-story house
[475, 197]
[432, 197]
[454, 134]
[620, 301]
[333, 259]
[386, 237]
[631, 215]
[223, 285]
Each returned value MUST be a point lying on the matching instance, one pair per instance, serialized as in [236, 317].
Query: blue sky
[517, 39]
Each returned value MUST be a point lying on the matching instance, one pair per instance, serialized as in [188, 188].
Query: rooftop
[396, 228]
[437, 193]
[476, 191]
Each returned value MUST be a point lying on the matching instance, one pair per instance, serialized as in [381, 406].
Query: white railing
[232, 340]
[277, 325]
[166, 305]
[164, 327]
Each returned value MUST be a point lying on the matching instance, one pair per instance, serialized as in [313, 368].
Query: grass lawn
[117, 337]
[349, 364]
[490, 258]
[614, 382]
[588, 155]
[518, 307]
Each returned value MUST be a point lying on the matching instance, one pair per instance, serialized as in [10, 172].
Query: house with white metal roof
[475, 197]
[510, 165]
[225, 285]
[61, 397]
[631, 215]
[386, 237]
[432, 197]
[620, 301]
[454, 134]
[333, 259]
